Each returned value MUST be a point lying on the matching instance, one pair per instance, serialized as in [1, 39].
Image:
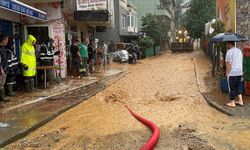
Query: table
[45, 68]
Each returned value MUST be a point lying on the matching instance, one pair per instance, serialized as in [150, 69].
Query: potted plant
[146, 45]
[221, 73]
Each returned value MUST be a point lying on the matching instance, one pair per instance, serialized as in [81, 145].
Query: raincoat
[28, 57]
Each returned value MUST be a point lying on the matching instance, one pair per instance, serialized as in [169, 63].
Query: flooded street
[164, 90]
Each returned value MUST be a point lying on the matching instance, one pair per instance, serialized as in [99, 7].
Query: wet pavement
[29, 117]
[64, 85]
[210, 89]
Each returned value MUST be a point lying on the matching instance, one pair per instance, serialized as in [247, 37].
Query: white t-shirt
[235, 58]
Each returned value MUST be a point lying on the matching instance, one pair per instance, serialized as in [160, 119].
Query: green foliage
[200, 12]
[146, 42]
[178, 10]
[218, 27]
[154, 28]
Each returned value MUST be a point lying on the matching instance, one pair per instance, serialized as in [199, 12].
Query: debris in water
[4, 125]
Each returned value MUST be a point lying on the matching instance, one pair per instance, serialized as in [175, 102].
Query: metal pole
[45, 78]
[213, 60]
[60, 72]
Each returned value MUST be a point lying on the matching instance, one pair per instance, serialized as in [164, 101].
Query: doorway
[41, 33]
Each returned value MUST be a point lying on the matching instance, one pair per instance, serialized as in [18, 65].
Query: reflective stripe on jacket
[12, 59]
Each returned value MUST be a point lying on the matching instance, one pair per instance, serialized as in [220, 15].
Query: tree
[200, 12]
[178, 12]
[155, 28]
[220, 47]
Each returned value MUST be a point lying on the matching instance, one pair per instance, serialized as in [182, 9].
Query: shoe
[239, 104]
[32, 85]
[10, 90]
[2, 95]
[27, 85]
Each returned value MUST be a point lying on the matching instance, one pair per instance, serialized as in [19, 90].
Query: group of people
[15, 73]
[85, 55]
[11, 69]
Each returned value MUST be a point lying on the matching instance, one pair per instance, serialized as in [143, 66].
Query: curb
[59, 112]
[218, 108]
[210, 103]
[70, 90]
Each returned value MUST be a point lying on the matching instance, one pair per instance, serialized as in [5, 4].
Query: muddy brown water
[24, 118]
[162, 89]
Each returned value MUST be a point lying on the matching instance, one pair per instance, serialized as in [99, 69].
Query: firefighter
[28, 62]
[47, 53]
[13, 69]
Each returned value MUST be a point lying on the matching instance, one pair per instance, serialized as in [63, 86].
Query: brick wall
[243, 17]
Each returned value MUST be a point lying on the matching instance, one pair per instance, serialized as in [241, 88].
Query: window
[123, 18]
[136, 22]
[132, 21]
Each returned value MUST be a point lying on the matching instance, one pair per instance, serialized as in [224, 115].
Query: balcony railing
[132, 29]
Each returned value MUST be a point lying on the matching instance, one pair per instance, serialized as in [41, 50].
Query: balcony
[132, 29]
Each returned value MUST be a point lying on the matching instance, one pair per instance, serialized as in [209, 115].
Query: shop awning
[21, 8]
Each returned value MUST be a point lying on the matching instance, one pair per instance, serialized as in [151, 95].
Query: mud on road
[162, 89]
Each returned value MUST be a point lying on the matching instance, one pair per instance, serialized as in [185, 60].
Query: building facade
[235, 14]
[125, 23]
[53, 27]
[231, 15]
[66, 21]
[11, 20]
[243, 17]
[221, 10]
[164, 9]
[226, 12]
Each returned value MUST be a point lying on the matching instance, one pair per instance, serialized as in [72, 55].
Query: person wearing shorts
[234, 73]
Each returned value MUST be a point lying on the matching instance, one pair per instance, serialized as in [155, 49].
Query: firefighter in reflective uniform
[47, 53]
[28, 62]
[13, 69]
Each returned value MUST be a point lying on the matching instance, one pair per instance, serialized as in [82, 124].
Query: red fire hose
[151, 143]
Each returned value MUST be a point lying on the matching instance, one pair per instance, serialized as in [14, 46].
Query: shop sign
[23, 9]
[91, 16]
[86, 5]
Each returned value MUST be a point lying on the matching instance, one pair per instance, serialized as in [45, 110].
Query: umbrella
[226, 37]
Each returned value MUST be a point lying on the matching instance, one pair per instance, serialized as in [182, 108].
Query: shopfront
[53, 28]
[10, 22]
